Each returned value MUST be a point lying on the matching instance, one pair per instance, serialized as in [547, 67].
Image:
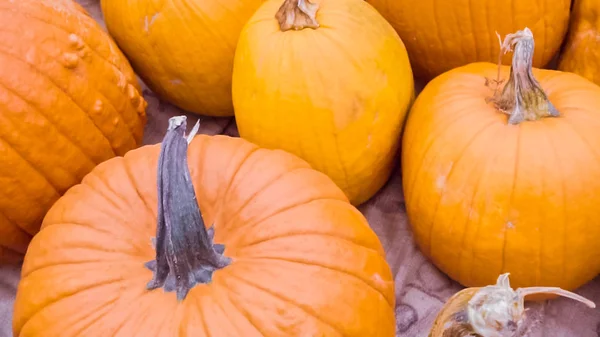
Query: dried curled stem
[185, 252]
[522, 97]
[491, 311]
[297, 15]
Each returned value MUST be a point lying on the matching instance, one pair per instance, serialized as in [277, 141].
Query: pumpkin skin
[336, 96]
[68, 101]
[581, 54]
[444, 34]
[484, 197]
[183, 50]
[305, 262]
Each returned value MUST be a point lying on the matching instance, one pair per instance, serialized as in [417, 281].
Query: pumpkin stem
[497, 309]
[185, 252]
[522, 97]
[297, 15]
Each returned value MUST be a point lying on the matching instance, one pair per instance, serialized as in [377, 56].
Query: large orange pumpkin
[292, 256]
[443, 34]
[581, 53]
[329, 81]
[183, 50]
[68, 101]
[489, 192]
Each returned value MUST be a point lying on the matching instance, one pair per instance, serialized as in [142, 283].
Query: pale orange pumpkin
[444, 34]
[489, 192]
[328, 81]
[249, 242]
[183, 50]
[69, 100]
[581, 53]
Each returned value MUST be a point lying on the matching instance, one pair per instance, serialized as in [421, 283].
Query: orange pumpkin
[489, 192]
[328, 81]
[291, 256]
[183, 50]
[68, 101]
[444, 34]
[581, 53]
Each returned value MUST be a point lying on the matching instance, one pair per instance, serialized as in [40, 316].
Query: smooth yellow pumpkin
[329, 81]
[489, 193]
[444, 34]
[581, 54]
[183, 49]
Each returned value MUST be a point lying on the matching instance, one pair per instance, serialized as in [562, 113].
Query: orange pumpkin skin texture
[336, 96]
[68, 101]
[183, 50]
[581, 54]
[304, 261]
[486, 197]
[443, 34]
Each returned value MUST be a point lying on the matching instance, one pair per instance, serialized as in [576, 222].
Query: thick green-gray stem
[185, 252]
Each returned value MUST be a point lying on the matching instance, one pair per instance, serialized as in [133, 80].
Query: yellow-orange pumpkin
[329, 81]
[581, 53]
[183, 49]
[443, 34]
[285, 254]
[488, 193]
[68, 101]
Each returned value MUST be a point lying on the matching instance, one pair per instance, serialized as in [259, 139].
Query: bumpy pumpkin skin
[484, 197]
[443, 34]
[337, 96]
[581, 54]
[305, 262]
[68, 101]
[183, 50]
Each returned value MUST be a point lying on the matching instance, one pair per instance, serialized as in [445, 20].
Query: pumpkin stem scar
[297, 15]
[185, 252]
[522, 97]
[494, 310]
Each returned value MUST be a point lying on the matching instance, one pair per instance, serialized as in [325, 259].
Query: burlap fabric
[421, 289]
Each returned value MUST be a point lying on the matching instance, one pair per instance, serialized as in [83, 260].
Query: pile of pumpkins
[500, 158]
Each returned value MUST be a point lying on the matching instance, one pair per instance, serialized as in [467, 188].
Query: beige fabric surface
[421, 289]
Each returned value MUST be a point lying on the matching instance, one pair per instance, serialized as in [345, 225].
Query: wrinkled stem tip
[522, 96]
[297, 15]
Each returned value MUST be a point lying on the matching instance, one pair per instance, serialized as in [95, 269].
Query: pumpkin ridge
[59, 26]
[476, 138]
[111, 65]
[238, 168]
[65, 95]
[456, 120]
[28, 160]
[130, 175]
[196, 10]
[370, 285]
[16, 227]
[102, 95]
[251, 198]
[227, 292]
[564, 190]
[282, 210]
[309, 233]
[57, 298]
[286, 299]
